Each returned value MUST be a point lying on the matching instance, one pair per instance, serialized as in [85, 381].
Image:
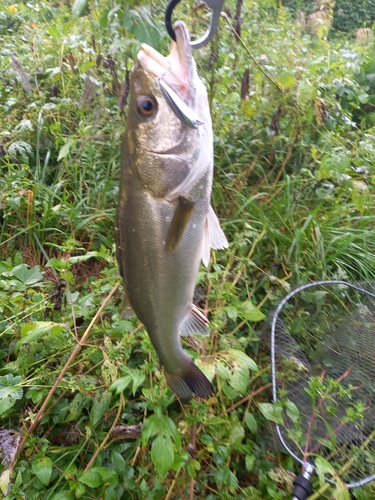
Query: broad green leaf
[336, 163]
[110, 493]
[292, 411]
[237, 432]
[42, 468]
[120, 384]
[207, 366]
[36, 330]
[57, 264]
[78, 9]
[250, 462]
[146, 33]
[249, 312]
[99, 408]
[360, 195]
[244, 360]
[9, 392]
[109, 372]
[271, 412]
[64, 495]
[118, 462]
[128, 19]
[70, 471]
[103, 22]
[140, 22]
[27, 276]
[224, 475]
[231, 312]
[162, 454]
[305, 92]
[4, 481]
[251, 423]
[83, 258]
[341, 492]
[69, 144]
[240, 379]
[92, 478]
[323, 469]
[109, 476]
[287, 79]
[138, 378]
[160, 425]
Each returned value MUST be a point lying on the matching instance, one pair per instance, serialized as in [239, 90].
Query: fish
[164, 222]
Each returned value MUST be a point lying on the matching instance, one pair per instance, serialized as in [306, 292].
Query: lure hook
[214, 5]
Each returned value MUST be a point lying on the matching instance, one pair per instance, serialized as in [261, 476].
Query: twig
[126, 431]
[108, 436]
[40, 415]
[193, 444]
[243, 400]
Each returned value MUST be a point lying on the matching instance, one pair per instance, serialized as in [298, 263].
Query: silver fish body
[164, 223]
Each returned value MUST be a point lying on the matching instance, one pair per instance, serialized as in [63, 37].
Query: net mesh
[323, 343]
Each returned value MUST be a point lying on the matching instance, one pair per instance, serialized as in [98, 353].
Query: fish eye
[146, 106]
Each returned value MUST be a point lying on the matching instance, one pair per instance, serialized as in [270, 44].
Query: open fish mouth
[178, 68]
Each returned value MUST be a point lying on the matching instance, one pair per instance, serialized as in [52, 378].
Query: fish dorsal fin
[195, 323]
[213, 236]
[179, 222]
[126, 309]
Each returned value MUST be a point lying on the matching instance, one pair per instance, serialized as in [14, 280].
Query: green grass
[296, 201]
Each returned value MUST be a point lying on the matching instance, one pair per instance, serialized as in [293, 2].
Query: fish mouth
[176, 69]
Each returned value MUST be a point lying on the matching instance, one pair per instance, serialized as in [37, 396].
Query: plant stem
[108, 436]
[40, 415]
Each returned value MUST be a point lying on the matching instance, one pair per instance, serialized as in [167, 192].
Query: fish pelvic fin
[126, 309]
[195, 323]
[213, 236]
[191, 380]
[179, 222]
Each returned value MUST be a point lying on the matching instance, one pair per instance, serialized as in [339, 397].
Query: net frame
[308, 466]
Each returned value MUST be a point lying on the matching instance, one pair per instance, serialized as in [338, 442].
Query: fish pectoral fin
[213, 236]
[126, 309]
[179, 222]
[195, 323]
[190, 380]
[218, 240]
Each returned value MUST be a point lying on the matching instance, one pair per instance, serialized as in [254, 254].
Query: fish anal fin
[126, 309]
[195, 323]
[179, 222]
[191, 380]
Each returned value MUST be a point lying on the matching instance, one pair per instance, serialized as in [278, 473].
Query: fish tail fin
[192, 380]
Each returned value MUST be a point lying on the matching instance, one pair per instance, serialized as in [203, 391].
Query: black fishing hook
[214, 5]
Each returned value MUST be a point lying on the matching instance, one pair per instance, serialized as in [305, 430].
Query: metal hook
[214, 5]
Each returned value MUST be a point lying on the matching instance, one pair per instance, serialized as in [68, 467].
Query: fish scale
[164, 223]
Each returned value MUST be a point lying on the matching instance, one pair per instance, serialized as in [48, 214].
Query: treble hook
[214, 5]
